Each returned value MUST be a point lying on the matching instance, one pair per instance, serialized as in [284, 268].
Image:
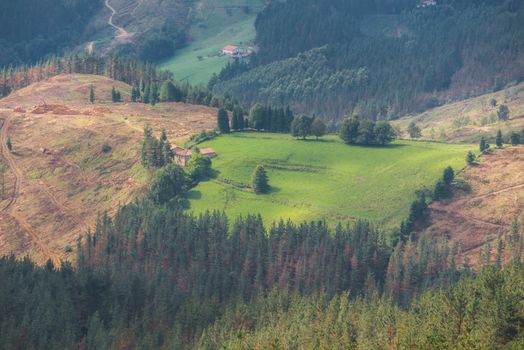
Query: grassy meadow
[214, 28]
[326, 179]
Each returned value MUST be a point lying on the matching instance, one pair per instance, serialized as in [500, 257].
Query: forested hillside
[32, 29]
[408, 57]
[153, 277]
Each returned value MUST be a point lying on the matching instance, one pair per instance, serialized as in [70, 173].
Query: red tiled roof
[230, 48]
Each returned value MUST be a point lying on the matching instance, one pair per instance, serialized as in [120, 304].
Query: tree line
[149, 84]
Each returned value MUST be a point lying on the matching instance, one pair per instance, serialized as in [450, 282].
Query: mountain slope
[468, 120]
[59, 176]
[414, 57]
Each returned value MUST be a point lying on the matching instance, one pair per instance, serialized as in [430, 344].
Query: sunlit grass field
[326, 179]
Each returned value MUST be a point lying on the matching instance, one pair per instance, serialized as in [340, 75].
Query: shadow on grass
[274, 189]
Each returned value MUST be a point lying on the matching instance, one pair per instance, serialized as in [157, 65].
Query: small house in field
[182, 156]
[231, 50]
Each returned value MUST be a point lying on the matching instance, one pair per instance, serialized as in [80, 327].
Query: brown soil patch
[486, 212]
[58, 178]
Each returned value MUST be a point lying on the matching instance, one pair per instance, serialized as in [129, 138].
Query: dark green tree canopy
[260, 180]
[223, 121]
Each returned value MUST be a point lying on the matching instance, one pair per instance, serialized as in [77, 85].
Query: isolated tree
[448, 175]
[503, 113]
[498, 140]
[414, 131]
[115, 95]
[483, 146]
[514, 138]
[91, 94]
[384, 133]
[9, 144]
[318, 128]
[223, 121]
[493, 102]
[470, 158]
[260, 181]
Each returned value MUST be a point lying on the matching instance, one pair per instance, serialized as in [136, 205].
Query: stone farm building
[183, 155]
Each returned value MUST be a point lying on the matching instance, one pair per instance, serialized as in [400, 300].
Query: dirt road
[122, 34]
[9, 207]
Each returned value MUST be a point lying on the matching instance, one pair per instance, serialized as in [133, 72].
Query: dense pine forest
[33, 29]
[156, 277]
[378, 59]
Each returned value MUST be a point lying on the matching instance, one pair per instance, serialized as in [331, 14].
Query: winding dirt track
[8, 208]
[122, 34]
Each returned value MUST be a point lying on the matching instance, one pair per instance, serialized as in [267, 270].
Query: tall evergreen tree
[260, 180]
[91, 94]
[223, 121]
[483, 145]
[498, 140]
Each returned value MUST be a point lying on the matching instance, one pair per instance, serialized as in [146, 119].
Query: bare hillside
[466, 121]
[59, 177]
[485, 212]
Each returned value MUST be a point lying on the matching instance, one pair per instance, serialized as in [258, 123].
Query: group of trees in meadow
[360, 131]
[338, 57]
[304, 126]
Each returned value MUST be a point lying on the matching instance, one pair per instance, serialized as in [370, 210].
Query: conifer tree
[498, 140]
[153, 97]
[146, 94]
[223, 121]
[260, 181]
[483, 145]
[91, 94]
[470, 158]
[134, 94]
[9, 144]
[169, 92]
[448, 175]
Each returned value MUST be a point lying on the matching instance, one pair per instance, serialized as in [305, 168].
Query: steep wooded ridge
[379, 59]
[33, 29]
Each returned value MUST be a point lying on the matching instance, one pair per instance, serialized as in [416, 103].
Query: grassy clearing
[216, 26]
[322, 180]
